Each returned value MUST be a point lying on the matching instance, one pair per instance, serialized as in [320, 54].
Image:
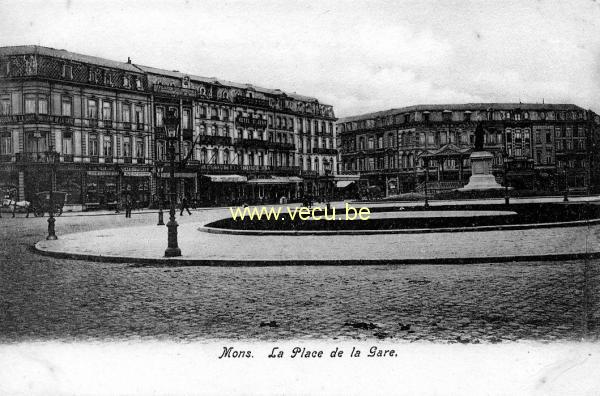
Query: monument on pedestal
[481, 166]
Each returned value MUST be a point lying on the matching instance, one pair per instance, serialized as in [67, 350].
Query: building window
[5, 106]
[371, 144]
[43, 105]
[226, 157]
[66, 106]
[107, 146]
[213, 113]
[226, 114]
[127, 147]
[67, 72]
[138, 84]
[160, 111]
[92, 109]
[6, 144]
[107, 111]
[126, 112]
[139, 148]
[29, 104]
[67, 143]
[139, 115]
[126, 82]
[186, 119]
[93, 145]
[213, 130]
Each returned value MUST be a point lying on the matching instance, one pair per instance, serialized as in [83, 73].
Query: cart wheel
[38, 212]
[59, 211]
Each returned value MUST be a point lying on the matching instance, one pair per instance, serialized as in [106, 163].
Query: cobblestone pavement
[47, 298]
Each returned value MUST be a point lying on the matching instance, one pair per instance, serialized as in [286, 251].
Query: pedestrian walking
[184, 205]
[128, 205]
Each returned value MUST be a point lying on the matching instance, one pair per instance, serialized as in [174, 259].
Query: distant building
[105, 118]
[541, 143]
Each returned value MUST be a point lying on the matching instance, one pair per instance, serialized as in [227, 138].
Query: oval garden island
[394, 233]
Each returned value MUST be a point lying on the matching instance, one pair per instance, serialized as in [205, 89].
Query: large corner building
[541, 147]
[105, 119]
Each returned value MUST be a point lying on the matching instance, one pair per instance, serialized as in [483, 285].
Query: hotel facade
[238, 143]
[541, 147]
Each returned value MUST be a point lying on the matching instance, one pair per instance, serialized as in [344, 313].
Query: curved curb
[511, 227]
[178, 262]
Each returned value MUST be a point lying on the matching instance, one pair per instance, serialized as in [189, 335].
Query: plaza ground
[49, 298]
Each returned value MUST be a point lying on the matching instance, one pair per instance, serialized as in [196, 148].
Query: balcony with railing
[6, 158]
[94, 159]
[108, 160]
[282, 146]
[323, 150]
[188, 133]
[92, 122]
[68, 158]
[36, 118]
[33, 157]
[141, 161]
[127, 160]
[107, 123]
[252, 143]
[127, 125]
[245, 169]
[214, 140]
[251, 122]
[244, 100]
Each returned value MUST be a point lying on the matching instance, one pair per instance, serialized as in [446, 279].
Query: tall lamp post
[426, 163]
[172, 133]
[51, 157]
[505, 169]
[159, 167]
[566, 194]
[327, 166]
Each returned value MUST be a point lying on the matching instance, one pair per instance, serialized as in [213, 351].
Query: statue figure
[479, 137]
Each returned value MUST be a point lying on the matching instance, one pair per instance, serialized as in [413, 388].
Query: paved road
[43, 297]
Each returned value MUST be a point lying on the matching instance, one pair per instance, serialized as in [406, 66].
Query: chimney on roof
[129, 60]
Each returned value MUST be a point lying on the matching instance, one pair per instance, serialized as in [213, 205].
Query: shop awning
[227, 178]
[276, 180]
[344, 183]
[166, 175]
[136, 174]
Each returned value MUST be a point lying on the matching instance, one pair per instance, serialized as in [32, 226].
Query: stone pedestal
[481, 172]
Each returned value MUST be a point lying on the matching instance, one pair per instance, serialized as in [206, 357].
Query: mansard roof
[63, 54]
[135, 68]
[463, 107]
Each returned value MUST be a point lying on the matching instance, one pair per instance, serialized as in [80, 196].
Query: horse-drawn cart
[44, 203]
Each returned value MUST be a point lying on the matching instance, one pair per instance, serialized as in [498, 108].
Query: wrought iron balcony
[67, 157]
[127, 160]
[188, 134]
[251, 122]
[322, 150]
[6, 158]
[93, 122]
[127, 125]
[108, 160]
[94, 159]
[41, 156]
[141, 161]
[214, 140]
[282, 146]
[252, 143]
[36, 118]
[244, 100]
[107, 123]
[244, 169]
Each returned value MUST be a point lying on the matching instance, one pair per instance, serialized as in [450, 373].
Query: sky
[359, 56]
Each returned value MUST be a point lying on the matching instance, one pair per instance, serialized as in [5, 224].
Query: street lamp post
[566, 194]
[327, 166]
[51, 157]
[426, 163]
[159, 166]
[505, 169]
[172, 132]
